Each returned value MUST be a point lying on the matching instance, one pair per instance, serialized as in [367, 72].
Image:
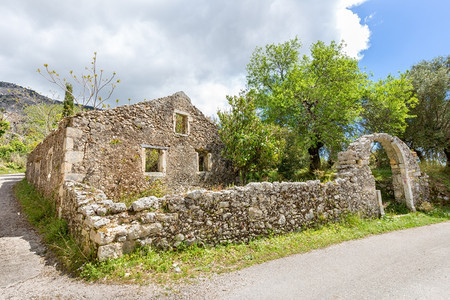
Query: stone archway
[409, 183]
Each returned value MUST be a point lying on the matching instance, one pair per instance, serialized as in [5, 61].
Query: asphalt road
[407, 264]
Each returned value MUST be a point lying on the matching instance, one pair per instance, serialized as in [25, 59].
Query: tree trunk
[447, 154]
[419, 155]
[314, 157]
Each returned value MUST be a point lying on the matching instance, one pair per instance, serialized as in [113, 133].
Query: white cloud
[158, 48]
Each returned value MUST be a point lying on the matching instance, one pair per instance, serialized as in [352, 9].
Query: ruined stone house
[124, 150]
[95, 157]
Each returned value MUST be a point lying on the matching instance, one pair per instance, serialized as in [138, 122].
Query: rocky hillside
[13, 99]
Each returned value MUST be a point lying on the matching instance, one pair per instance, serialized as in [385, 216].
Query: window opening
[181, 123]
[203, 161]
[152, 158]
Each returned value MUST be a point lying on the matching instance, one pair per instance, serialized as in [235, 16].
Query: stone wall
[237, 214]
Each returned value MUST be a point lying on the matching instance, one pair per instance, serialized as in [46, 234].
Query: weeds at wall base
[41, 214]
[188, 263]
[146, 264]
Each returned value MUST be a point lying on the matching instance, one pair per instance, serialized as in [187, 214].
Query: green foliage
[386, 105]
[68, 101]
[41, 213]
[41, 119]
[429, 133]
[4, 125]
[180, 124]
[151, 160]
[251, 145]
[316, 97]
[115, 141]
[294, 158]
[13, 156]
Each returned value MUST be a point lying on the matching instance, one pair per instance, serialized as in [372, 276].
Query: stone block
[254, 213]
[117, 208]
[68, 143]
[101, 237]
[110, 251]
[73, 132]
[101, 222]
[195, 195]
[74, 157]
[145, 203]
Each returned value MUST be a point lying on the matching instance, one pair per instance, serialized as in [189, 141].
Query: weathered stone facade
[93, 157]
[107, 149]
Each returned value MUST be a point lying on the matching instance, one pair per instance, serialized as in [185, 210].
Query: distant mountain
[13, 98]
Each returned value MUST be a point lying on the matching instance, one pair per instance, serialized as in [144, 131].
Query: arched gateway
[410, 184]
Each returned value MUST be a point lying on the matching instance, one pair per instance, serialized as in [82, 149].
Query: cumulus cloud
[161, 47]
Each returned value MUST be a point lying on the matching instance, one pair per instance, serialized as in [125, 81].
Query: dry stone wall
[237, 214]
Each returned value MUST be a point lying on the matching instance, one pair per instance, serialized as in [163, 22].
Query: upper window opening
[181, 123]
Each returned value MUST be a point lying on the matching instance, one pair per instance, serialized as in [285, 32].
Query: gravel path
[407, 264]
[25, 271]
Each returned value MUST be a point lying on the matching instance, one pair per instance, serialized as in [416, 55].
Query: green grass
[41, 213]
[146, 264]
[382, 174]
[188, 263]
[11, 170]
[438, 173]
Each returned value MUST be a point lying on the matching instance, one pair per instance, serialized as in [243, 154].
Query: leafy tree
[316, 96]
[95, 87]
[4, 125]
[68, 101]
[386, 105]
[41, 119]
[429, 133]
[251, 145]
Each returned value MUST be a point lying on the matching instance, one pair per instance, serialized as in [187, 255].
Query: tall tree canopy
[429, 132]
[386, 105]
[317, 96]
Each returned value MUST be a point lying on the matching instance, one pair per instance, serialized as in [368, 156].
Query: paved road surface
[408, 264]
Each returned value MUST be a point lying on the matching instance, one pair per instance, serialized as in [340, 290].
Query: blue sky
[202, 47]
[404, 32]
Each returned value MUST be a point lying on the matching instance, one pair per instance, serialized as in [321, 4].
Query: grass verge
[41, 213]
[149, 265]
[146, 264]
[6, 170]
